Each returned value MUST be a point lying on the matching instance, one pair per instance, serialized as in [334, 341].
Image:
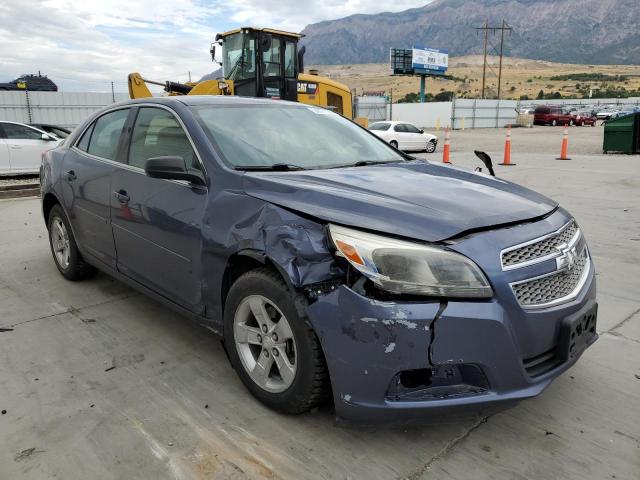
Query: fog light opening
[416, 378]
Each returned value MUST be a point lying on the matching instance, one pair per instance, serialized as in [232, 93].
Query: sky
[84, 45]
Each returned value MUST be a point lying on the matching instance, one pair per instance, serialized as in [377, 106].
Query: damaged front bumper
[391, 361]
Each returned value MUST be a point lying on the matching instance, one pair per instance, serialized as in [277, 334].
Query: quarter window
[157, 133]
[83, 144]
[20, 132]
[106, 134]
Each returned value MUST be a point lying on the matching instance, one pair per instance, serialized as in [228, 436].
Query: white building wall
[423, 115]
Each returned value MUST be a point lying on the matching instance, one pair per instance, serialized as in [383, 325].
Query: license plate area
[577, 332]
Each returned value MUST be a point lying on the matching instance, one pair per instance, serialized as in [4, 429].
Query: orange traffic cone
[447, 147]
[507, 149]
[565, 144]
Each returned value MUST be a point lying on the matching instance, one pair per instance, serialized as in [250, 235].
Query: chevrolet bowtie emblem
[567, 259]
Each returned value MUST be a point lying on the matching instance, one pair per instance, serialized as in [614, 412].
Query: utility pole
[486, 29]
[113, 94]
[484, 63]
[501, 47]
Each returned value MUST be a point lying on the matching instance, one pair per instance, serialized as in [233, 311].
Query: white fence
[461, 113]
[66, 109]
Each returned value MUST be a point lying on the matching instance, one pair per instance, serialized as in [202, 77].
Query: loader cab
[261, 62]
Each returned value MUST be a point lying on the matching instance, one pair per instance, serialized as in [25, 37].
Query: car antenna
[486, 159]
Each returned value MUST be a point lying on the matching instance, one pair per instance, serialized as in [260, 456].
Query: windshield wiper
[276, 167]
[365, 163]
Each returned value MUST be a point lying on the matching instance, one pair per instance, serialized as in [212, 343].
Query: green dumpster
[622, 134]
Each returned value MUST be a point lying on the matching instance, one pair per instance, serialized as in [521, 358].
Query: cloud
[87, 44]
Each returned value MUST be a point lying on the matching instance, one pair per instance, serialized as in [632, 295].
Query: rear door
[401, 134]
[87, 171]
[157, 223]
[25, 147]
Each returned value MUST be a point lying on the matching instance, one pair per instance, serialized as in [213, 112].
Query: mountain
[569, 31]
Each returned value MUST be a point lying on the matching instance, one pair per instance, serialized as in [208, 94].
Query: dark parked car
[58, 131]
[330, 262]
[552, 115]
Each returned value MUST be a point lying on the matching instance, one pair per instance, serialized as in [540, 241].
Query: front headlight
[410, 268]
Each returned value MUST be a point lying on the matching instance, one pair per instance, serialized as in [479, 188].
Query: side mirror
[47, 138]
[421, 131]
[172, 168]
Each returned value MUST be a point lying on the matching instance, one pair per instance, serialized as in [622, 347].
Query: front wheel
[272, 348]
[394, 144]
[431, 146]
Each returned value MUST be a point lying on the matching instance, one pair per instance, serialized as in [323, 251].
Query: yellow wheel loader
[259, 62]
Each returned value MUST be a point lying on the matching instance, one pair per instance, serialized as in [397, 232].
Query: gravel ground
[22, 180]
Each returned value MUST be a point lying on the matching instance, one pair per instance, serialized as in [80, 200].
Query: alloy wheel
[265, 343]
[60, 242]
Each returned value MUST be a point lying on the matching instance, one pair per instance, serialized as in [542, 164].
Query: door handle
[71, 175]
[121, 196]
[16, 147]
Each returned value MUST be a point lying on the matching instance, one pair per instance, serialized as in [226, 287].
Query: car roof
[392, 122]
[197, 100]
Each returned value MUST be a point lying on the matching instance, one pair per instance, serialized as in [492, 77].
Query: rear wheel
[272, 348]
[394, 144]
[431, 146]
[64, 249]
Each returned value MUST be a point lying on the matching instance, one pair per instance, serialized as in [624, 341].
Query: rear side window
[157, 133]
[83, 144]
[20, 132]
[379, 126]
[542, 110]
[400, 128]
[106, 134]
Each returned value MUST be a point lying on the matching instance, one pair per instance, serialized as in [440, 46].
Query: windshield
[238, 57]
[307, 137]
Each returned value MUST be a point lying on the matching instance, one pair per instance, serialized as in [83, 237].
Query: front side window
[157, 133]
[308, 137]
[411, 128]
[400, 128]
[106, 134]
[13, 131]
[290, 59]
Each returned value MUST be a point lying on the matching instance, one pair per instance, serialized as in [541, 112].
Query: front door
[157, 223]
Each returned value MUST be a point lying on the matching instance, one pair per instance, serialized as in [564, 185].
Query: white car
[404, 136]
[21, 148]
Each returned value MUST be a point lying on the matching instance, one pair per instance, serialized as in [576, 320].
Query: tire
[431, 146]
[64, 249]
[297, 352]
[553, 123]
[394, 144]
[571, 123]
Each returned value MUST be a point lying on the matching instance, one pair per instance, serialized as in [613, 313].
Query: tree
[540, 95]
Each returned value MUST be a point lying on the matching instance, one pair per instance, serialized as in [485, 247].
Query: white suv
[21, 148]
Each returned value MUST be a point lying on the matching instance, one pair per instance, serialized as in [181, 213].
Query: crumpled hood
[416, 199]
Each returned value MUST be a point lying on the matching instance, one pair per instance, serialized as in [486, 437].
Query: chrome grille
[553, 288]
[537, 250]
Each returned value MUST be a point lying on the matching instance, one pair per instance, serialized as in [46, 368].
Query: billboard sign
[429, 60]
